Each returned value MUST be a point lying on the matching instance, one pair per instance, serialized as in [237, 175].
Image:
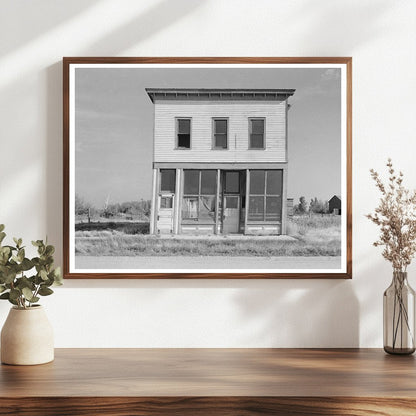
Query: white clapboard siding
[238, 114]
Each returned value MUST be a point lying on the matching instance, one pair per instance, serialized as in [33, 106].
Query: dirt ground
[207, 262]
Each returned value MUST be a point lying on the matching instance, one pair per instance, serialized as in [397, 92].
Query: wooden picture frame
[200, 88]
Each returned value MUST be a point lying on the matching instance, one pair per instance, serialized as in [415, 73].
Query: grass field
[313, 236]
[125, 227]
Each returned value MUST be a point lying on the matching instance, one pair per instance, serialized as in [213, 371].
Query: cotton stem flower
[396, 217]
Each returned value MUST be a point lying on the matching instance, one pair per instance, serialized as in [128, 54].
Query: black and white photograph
[220, 167]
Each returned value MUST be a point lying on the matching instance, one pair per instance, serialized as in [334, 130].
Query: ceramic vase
[27, 337]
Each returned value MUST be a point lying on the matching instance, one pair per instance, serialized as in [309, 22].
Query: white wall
[380, 35]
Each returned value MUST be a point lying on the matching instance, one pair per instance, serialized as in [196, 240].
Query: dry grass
[318, 230]
[314, 236]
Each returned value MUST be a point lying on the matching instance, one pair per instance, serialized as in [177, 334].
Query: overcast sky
[114, 126]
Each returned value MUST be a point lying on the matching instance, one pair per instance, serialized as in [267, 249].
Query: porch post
[153, 211]
[284, 203]
[176, 210]
[217, 203]
[247, 199]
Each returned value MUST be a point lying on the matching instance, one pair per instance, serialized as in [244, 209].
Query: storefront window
[199, 195]
[190, 207]
[265, 199]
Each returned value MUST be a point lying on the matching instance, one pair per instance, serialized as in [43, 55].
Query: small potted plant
[27, 336]
[396, 217]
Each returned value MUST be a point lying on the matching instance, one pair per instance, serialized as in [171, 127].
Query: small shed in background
[334, 205]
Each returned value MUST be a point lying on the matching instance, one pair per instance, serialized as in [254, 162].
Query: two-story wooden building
[219, 161]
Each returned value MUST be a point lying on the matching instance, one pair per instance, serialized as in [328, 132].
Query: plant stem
[401, 314]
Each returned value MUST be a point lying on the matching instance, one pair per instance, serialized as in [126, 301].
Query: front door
[165, 214]
[231, 214]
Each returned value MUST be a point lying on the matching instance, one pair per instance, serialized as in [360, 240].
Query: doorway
[233, 201]
[165, 214]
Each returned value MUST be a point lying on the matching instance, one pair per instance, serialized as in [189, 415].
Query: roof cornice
[268, 94]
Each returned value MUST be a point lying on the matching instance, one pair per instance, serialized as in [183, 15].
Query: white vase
[27, 337]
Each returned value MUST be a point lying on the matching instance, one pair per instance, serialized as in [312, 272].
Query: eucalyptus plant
[24, 280]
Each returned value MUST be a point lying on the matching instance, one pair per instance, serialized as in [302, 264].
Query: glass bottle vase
[399, 316]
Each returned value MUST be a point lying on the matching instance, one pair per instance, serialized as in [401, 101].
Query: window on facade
[220, 128]
[265, 199]
[167, 180]
[199, 195]
[231, 201]
[183, 128]
[166, 202]
[256, 127]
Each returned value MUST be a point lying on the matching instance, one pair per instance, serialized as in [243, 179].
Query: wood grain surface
[212, 381]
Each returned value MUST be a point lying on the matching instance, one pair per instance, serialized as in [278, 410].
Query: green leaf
[43, 274]
[9, 277]
[7, 296]
[57, 276]
[47, 260]
[11, 248]
[4, 255]
[49, 250]
[26, 264]
[45, 291]
[28, 294]
[5, 250]
[37, 280]
[2, 227]
[3, 259]
[56, 272]
[37, 243]
[2, 288]
[13, 302]
[17, 241]
[24, 282]
[2, 236]
[21, 255]
[15, 293]
[48, 282]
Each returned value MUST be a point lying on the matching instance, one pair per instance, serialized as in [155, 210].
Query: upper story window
[256, 133]
[183, 133]
[220, 133]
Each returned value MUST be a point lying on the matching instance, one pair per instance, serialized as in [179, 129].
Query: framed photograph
[207, 168]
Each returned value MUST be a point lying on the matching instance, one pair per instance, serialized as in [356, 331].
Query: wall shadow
[158, 17]
[54, 146]
[336, 17]
[44, 17]
[301, 313]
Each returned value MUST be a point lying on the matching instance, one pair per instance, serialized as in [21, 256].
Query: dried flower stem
[396, 217]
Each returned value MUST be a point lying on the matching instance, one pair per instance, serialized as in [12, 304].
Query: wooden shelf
[212, 382]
